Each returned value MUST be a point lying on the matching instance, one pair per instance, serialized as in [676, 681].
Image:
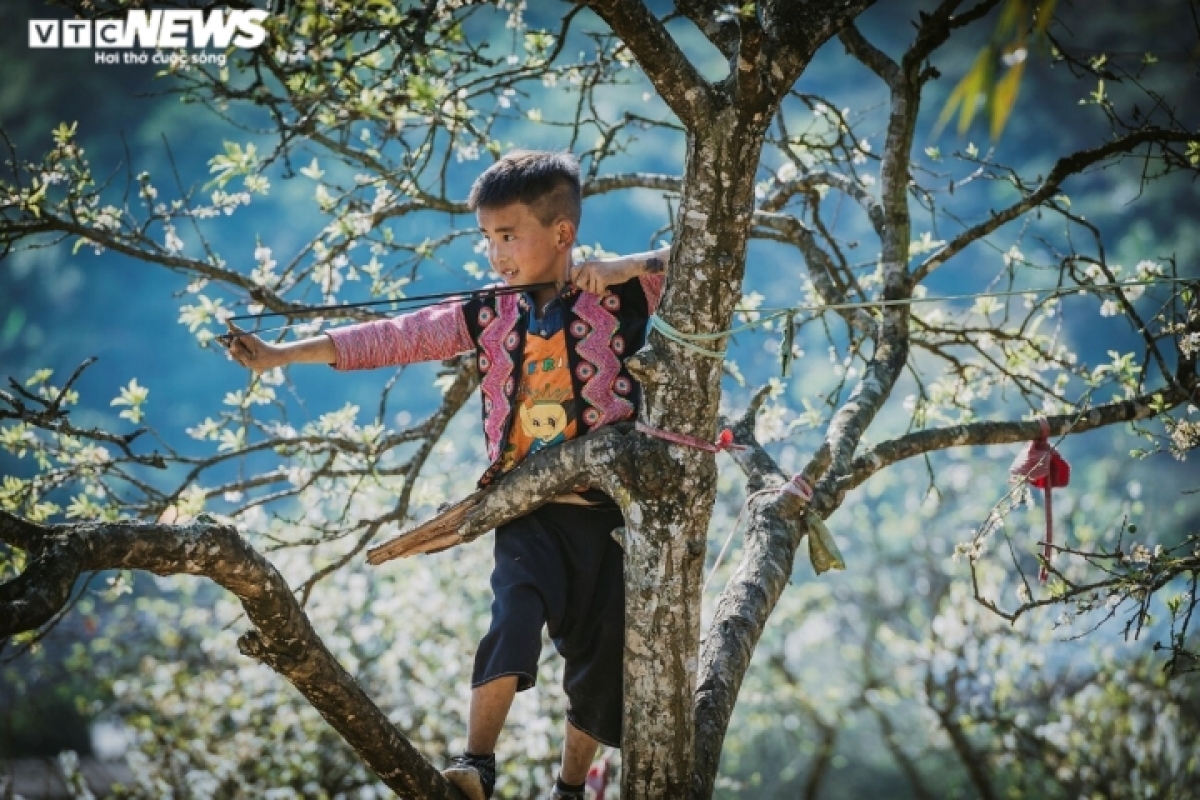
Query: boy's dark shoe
[563, 791]
[475, 776]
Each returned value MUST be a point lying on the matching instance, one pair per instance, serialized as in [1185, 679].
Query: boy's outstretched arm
[428, 334]
[596, 275]
[252, 352]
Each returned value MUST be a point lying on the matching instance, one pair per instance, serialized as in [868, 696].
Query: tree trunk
[672, 487]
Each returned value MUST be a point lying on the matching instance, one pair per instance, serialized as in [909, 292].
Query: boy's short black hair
[546, 181]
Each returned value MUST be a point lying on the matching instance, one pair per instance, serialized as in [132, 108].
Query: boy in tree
[557, 566]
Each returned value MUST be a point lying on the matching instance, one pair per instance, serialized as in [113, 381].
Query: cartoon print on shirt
[544, 406]
[545, 422]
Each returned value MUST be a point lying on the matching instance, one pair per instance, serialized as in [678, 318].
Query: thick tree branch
[715, 20]
[983, 433]
[633, 180]
[585, 461]
[757, 82]
[796, 29]
[673, 75]
[856, 414]
[871, 56]
[282, 637]
[892, 342]
[44, 587]
[777, 526]
[936, 29]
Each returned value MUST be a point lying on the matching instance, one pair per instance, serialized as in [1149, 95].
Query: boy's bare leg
[489, 708]
[578, 753]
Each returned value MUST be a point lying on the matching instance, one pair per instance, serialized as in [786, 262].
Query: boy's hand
[251, 351]
[595, 276]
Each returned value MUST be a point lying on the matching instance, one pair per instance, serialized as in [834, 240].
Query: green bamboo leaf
[978, 81]
[1005, 97]
[1045, 13]
[1012, 16]
[965, 94]
[952, 103]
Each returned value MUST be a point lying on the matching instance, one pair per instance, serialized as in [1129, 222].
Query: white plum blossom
[109, 219]
[229, 201]
[360, 223]
[466, 152]
[860, 153]
[1013, 256]
[171, 240]
[1095, 272]
[1148, 270]
[384, 198]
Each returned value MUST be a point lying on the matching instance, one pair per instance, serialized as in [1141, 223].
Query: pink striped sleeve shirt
[652, 287]
[430, 334]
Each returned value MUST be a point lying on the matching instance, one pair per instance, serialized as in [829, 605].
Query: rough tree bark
[281, 637]
[667, 519]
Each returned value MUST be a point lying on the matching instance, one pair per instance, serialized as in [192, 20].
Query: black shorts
[560, 567]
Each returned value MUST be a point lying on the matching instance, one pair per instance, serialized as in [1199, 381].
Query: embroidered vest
[601, 332]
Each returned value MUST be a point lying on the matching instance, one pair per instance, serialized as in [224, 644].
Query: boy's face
[523, 250]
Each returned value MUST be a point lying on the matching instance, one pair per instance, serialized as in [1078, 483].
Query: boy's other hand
[251, 351]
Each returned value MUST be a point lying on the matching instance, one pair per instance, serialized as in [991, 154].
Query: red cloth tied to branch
[1045, 469]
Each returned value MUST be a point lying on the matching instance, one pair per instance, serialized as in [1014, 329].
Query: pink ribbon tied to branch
[1043, 467]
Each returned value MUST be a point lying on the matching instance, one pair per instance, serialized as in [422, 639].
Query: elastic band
[682, 339]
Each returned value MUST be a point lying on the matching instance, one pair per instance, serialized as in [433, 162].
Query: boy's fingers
[237, 345]
[586, 278]
[228, 339]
